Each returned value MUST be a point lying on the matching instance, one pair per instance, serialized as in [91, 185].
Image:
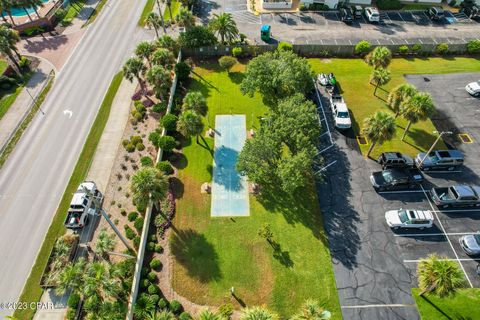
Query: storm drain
[465, 138]
[362, 140]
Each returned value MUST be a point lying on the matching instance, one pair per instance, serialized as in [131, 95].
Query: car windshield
[402, 214]
[342, 115]
[387, 176]
[477, 238]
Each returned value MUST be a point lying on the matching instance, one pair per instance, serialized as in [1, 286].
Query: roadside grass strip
[146, 11]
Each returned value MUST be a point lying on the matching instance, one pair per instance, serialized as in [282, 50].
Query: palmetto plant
[190, 124]
[194, 100]
[144, 50]
[135, 69]
[162, 315]
[34, 4]
[399, 96]
[380, 57]
[7, 5]
[161, 81]
[98, 280]
[378, 128]
[70, 278]
[185, 18]
[439, 275]
[144, 306]
[149, 183]
[419, 107]
[154, 21]
[311, 310]
[380, 77]
[258, 313]
[225, 26]
[163, 57]
[105, 243]
[206, 314]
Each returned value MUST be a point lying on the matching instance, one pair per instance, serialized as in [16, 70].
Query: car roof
[449, 153]
[476, 189]
[464, 191]
[392, 155]
[419, 214]
[342, 107]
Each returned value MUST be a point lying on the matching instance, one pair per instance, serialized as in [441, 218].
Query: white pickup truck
[341, 116]
[83, 204]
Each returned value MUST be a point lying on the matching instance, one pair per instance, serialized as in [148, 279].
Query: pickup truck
[396, 178]
[456, 196]
[83, 205]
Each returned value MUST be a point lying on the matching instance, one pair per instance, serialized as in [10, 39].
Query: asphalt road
[37, 172]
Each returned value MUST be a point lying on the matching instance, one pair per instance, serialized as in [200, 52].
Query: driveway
[375, 268]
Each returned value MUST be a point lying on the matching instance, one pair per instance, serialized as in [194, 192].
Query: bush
[237, 52]
[136, 139]
[151, 246]
[184, 316]
[136, 241]
[154, 298]
[473, 46]
[159, 220]
[140, 146]
[145, 283]
[182, 70]
[129, 233]
[362, 48]
[130, 147]
[158, 248]
[155, 264]
[226, 310]
[123, 212]
[140, 107]
[441, 48]
[159, 107]
[132, 216]
[389, 4]
[144, 272]
[152, 276]
[24, 62]
[138, 224]
[165, 167]
[176, 307]
[167, 143]
[7, 83]
[152, 238]
[70, 314]
[146, 162]
[152, 289]
[227, 62]
[403, 49]
[197, 36]
[284, 46]
[73, 300]
[169, 122]
[162, 304]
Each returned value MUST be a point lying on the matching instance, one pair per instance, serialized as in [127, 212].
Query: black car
[357, 11]
[395, 160]
[472, 12]
[396, 178]
[346, 15]
[435, 13]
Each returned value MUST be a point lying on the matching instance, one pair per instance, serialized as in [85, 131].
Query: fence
[148, 215]
[274, 4]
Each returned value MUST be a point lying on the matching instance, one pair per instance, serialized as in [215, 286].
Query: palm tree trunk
[36, 11]
[406, 129]
[170, 11]
[4, 19]
[19, 56]
[371, 148]
[11, 18]
[429, 289]
[160, 13]
[197, 138]
[397, 114]
[28, 14]
[376, 87]
[156, 32]
[16, 66]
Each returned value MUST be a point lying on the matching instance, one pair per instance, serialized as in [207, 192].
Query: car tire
[477, 94]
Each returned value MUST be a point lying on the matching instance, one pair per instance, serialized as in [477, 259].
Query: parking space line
[363, 306]
[457, 171]
[448, 239]
[457, 210]
[406, 191]
[401, 16]
[433, 234]
[462, 259]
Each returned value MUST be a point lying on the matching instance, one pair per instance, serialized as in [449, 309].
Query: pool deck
[42, 11]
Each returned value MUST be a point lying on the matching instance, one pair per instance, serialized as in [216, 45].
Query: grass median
[146, 11]
[32, 290]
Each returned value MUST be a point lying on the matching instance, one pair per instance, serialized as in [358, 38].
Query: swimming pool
[18, 12]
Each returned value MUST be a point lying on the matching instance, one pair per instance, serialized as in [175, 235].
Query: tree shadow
[437, 308]
[282, 256]
[422, 140]
[193, 251]
[177, 186]
[236, 77]
[178, 160]
[225, 173]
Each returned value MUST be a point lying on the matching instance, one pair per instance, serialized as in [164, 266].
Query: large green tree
[197, 36]
[224, 26]
[378, 128]
[194, 100]
[160, 79]
[134, 68]
[419, 108]
[163, 57]
[154, 21]
[144, 50]
[190, 124]
[399, 96]
[148, 183]
[380, 57]
[277, 75]
[295, 171]
[439, 275]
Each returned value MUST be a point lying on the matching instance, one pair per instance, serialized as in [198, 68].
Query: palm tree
[185, 18]
[167, 42]
[380, 57]
[419, 107]
[12, 37]
[311, 310]
[144, 306]
[144, 50]
[153, 21]
[24, 4]
[112, 310]
[160, 15]
[7, 6]
[98, 280]
[380, 77]
[378, 128]
[105, 243]
[206, 314]
[399, 96]
[257, 313]
[439, 275]
[163, 57]
[6, 50]
[134, 68]
[149, 183]
[190, 123]
[162, 315]
[225, 26]
[70, 278]
[160, 79]
[194, 100]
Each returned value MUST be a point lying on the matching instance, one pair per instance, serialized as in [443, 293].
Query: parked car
[372, 14]
[435, 13]
[341, 116]
[456, 196]
[472, 12]
[356, 11]
[396, 178]
[407, 218]
[346, 15]
[473, 88]
[394, 160]
[471, 244]
[439, 160]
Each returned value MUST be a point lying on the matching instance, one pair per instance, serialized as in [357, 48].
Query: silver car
[471, 244]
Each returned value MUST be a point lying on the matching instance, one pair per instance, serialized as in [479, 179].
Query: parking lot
[375, 268]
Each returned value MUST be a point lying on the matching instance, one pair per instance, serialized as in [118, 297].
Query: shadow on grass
[178, 160]
[236, 77]
[438, 309]
[177, 187]
[192, 250]
[282, 256]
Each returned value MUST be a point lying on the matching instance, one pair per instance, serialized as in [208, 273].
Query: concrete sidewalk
[24, 102]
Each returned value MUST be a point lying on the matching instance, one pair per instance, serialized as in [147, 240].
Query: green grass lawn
[353, 76]
[8, 97]
[463, 305]
[32, 291]
[214, 254]
[175, 7]
[146, 11]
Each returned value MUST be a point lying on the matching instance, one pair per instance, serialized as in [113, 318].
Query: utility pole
[433, 145]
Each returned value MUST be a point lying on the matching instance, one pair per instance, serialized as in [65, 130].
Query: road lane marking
[68, 112]
[406, 191]
[433, 234]
[448, 259]
[398, 305]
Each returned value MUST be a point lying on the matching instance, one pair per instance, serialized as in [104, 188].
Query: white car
[473, 88]
[372, 14]
[471, 244]
[341, 116]
[407, 218]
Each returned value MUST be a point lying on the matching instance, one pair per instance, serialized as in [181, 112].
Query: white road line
[458, 171]
[380, 306]
[462, 259]
[457, 210]
[448, 239]
[406, 191]
[433, 234]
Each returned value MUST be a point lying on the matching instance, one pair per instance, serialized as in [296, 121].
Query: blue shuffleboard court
[229, 188]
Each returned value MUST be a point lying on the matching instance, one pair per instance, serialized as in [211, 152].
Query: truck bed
[443, 194]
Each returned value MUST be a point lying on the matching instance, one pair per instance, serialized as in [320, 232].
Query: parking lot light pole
[434, 144]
